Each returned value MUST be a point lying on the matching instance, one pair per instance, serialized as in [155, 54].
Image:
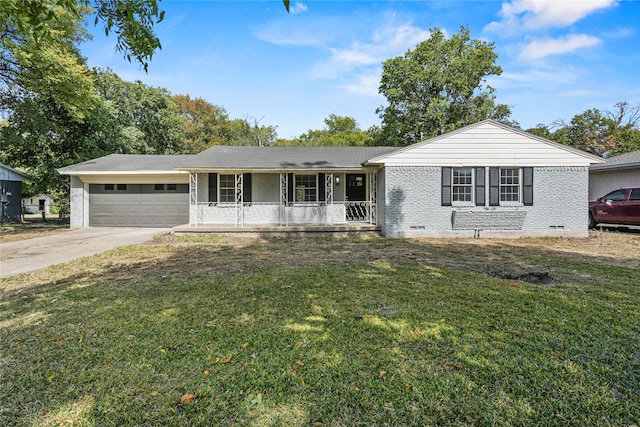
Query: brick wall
[76, 203]
[412, 206]
[601, 183]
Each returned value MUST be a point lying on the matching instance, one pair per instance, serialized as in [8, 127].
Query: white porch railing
[274, 213]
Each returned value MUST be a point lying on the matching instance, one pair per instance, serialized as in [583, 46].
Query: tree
[438, 87]
[131, 21]
[204, 124]
[51, 66]
[143, 119]
[41, 136]
[339, 131]
[601, 133]
[249, 131]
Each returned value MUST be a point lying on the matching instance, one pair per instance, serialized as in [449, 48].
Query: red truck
[621, 206]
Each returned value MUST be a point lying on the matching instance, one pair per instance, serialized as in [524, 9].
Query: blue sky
[559, 57]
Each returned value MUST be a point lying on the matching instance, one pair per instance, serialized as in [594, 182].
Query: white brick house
[486, 179]
[483, 180]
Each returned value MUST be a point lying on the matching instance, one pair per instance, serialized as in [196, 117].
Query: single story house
[37, 204]
[622, 171]
[11, 191]
[483, 180]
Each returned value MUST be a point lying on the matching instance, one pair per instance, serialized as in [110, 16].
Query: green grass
[372, 332]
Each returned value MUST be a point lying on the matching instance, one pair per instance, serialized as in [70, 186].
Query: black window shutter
[446, 186]
[527, 190]
[480, 198]
[246, 187]
[321, 187]
[213, 187]
[290, 189]
[494, 186]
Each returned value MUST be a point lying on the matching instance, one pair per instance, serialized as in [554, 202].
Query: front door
[356, 197]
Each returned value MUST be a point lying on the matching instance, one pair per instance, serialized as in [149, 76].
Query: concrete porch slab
[301, 230]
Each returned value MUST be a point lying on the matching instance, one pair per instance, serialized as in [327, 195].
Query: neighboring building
[616, 172]
[11, 191]
[483, 180]
[37, 204]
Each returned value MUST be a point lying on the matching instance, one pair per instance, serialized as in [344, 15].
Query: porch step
[302, 230]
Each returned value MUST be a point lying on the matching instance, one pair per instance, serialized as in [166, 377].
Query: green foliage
[203, 124]
[249, 131]
[50, 66]
[131, 21]
[339, 131]
[601, 133]
[438, 87]
[124, 117]
[141, 119]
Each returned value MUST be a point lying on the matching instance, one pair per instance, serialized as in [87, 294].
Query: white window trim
[472, 202]
[304, 203]
[519, 202]
[220, 187]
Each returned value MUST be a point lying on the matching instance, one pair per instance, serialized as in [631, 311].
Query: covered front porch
[301, 198]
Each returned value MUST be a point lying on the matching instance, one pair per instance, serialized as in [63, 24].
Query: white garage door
[138, 205]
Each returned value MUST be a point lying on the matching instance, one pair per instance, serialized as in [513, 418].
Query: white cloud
[386, 42]
[354, 52]
[526, 15]
[297, 7]
[543, 78]
[365, 84]
[538, 49]
[620, 33]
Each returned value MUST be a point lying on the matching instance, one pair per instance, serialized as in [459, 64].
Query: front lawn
[32, 227]
[321, 332]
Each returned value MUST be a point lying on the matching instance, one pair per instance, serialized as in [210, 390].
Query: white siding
[485, 144]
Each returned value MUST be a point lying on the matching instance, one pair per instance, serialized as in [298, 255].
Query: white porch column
[328, 211]
[373, 194]
[284, 191]
[239, 201]
[193, 199]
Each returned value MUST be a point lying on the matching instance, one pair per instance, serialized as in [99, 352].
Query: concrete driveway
[35, 254]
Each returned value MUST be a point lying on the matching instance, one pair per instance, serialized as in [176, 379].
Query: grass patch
[326, 332]
[31, 228]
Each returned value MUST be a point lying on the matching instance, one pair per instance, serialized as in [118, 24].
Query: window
[615, 196]
[510, 185]
[109, 187]
[462, 185]
[227, 189]
[122, 187]
[635, 194]
[165, 187]
[306, 188]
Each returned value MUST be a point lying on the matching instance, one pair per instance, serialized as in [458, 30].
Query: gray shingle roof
[631, 159]
[222, 157]
[128, 163]
[285, 158]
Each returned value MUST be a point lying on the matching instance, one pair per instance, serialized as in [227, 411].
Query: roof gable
[487, 143]
[7, 173]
